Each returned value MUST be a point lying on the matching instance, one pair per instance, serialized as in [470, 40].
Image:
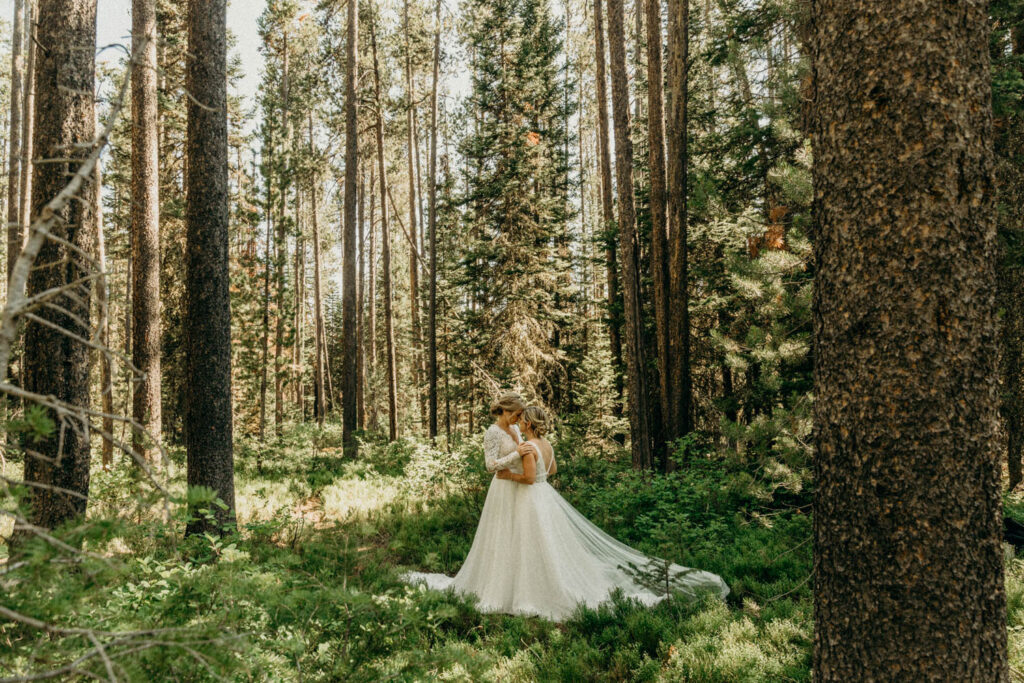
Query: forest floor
[309, 588]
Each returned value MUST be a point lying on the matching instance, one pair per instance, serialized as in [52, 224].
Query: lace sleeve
[492, 447]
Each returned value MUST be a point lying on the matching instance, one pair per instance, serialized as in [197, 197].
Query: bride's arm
[492, 448]
[529, 474]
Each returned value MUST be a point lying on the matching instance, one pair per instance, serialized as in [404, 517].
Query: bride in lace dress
[535, 554]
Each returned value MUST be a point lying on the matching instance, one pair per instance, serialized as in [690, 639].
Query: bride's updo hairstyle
[537, 419]
[510, 401]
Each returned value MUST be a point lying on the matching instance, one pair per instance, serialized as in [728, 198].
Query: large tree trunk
[432, 180]
[14, 222]
[607, 209]
[350, 377]
[56, 364]
[145, 227]
[659, 224]
[679, 419]
[908, 571]
[636, 354]
[1010, 175]
[208, 435]
[385, 240]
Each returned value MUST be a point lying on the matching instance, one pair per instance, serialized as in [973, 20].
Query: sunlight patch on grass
[723, 648]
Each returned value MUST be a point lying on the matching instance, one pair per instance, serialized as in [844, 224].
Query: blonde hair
[537, 419]
[510, 401]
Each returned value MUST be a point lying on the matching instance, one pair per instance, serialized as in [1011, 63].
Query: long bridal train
[535, 554]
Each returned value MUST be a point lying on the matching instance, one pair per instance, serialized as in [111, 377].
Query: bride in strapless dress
[535, 554]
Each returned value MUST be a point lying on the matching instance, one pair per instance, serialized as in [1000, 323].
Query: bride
[534, 554]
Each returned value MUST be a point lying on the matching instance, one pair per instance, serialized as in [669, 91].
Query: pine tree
[907, 510]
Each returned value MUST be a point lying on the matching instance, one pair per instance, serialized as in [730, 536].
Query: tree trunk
[370, 331]
[280, 252]
[414, 278]
[679, 419]
[56, 364]
[145, 227]
[636, 354]
[360, 288]
[610, 231]
[14, 222]
[208, 433]
[269, 214]
[28, 117]
[385, 241]
[432, 180]
[320, 405]
[908, 570]
[659, 227]
[103, 327]
[350, 377]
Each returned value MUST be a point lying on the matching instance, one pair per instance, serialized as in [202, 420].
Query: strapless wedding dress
[535, 554]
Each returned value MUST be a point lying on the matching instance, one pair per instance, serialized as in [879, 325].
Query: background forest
[297, 315]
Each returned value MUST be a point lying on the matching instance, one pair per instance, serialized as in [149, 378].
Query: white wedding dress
[534, 554]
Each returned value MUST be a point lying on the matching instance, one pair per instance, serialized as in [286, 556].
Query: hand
[525, 448]
[504, 474]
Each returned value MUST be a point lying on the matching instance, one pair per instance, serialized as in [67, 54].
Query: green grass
[308, 590]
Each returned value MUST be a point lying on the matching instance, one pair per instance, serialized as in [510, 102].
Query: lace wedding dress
[534, 554]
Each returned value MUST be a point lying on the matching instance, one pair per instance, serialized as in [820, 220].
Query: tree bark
[679, 419]
[269, 215]
[659, 224]
[56, 364]
[14, 222]
[145, 227]
[432, 180]
[360, 288]
[608, 209]
[103, 327]
[280, 251]
[908, 569]
[349, 330]
[414, 278]
[385, 241]
[320, 405]
[636, 353]
[208, 433]
[28, 117]
[370, 331]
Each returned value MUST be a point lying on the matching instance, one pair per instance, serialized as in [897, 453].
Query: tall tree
[679, 418]
[14, 221]
[610, 231]
[414, 257]
[636, 353]
[28, 116]
[908, 572]
[349, 328]
[659, 223]
[145, 232]
[319, 335]
[208, 425]
[385, 240]
[56, 363]
[432, 181]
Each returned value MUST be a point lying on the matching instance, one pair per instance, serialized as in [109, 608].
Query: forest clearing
[680, 339]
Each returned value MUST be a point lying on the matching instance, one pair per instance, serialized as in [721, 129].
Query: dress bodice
[501, 451]
[542, 467]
